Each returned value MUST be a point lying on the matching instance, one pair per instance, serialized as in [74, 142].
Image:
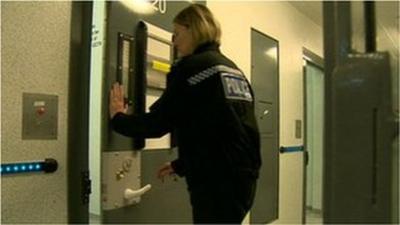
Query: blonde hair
[199, 19]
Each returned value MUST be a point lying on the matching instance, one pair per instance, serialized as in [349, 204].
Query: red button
[40, 111]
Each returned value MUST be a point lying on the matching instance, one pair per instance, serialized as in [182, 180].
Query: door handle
[264, 113]
[130, 194]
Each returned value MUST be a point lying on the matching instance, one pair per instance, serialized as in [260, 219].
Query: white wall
[293, 31]
[35, 42]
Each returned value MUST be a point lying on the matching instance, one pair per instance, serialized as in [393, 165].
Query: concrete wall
[35, 40]
[294, 31]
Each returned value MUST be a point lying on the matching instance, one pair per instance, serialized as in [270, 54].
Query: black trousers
[223, 201]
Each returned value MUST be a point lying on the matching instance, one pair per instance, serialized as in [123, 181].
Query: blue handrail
[288, 149]
[48, 166]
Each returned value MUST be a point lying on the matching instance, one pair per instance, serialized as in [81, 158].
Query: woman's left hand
[117, 103]
[166, 170]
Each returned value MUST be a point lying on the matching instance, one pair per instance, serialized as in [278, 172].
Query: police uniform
[209, 105]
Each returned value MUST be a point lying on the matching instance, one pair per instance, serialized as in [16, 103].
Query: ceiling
[387, 14]
[311, 9]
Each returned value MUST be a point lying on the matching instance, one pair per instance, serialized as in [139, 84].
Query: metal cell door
[265, 82]
[130, 190]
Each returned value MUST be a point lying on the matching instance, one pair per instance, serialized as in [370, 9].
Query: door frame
[78, 113]
[317, 61]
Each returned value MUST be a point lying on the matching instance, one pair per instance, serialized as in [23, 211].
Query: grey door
[165, 202]
[265, 82]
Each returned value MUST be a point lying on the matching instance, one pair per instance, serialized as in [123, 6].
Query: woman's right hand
[165, 170]
[117, 103]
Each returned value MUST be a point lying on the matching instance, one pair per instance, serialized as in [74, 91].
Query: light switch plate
[39, 116]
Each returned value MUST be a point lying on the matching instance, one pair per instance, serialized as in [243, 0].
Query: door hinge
[86, 187]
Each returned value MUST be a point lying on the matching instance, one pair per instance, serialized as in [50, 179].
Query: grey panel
[39, 118]
[166, 202]
[120, 172]
[264, 75]
[362, 132]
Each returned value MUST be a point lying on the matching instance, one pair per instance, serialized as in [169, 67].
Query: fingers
[117, 103]
[121, 92]
[117, 92]
[165, 170]
[161, 174]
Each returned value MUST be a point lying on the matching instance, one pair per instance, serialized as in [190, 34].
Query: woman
[209, 104]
